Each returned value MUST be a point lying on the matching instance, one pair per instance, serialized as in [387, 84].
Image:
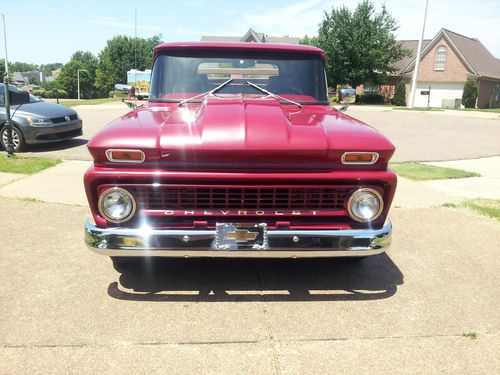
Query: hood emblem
[67, 118]
[165, 155]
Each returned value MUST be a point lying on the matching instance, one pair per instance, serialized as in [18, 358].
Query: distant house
[447, 61]
[251, 36]
[25, 78]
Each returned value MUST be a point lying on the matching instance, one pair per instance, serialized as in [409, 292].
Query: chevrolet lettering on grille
[242, 212]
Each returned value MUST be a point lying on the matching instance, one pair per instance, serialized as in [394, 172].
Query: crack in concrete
[232, 342]
[273, 343]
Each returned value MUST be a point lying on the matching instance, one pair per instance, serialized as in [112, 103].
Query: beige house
[251, 36]
[447, 61]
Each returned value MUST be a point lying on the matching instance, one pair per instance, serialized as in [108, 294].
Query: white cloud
[296, 19]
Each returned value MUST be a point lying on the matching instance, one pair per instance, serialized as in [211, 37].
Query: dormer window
[440, 58]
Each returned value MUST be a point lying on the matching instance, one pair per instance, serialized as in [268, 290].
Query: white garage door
[439, 91]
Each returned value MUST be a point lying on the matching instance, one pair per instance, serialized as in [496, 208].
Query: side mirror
[347, 96]
[130, 103]
[122, 87]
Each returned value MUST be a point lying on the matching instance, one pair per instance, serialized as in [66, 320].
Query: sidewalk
[62, 184]
[486, 186]
[445, 112]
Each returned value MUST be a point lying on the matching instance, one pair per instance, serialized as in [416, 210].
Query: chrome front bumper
[200, 243]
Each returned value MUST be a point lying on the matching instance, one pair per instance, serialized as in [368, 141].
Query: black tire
[17, 138]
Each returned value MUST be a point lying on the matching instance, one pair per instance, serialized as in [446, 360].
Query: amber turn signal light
[359, 157]
[125, 156]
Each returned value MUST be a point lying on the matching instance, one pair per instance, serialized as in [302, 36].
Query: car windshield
[12, 88]
[297, 77]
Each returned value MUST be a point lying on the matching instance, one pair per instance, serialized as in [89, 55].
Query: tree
[470, 93]
[22, 67]
[89, 62]
[68, 79]
[400, 94]
[310, 41]
[360, 45]
[47, 69]
[120, 55]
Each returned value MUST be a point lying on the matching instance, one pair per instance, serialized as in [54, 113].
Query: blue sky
[50, 31]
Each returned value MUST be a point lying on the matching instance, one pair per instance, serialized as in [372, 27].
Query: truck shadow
[231, 280]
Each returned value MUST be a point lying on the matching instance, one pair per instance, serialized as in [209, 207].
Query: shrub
[40, 92]
[399, 97]
[370, 99]
[50, 93]
[470, 94]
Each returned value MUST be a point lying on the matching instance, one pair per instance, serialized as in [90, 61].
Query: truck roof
[225, 46]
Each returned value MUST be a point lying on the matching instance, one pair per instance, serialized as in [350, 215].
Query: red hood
[237, 133]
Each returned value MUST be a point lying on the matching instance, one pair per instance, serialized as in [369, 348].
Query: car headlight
[116, 205]
[39, 121]
[365, 205]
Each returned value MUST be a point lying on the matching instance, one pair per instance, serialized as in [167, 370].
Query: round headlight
[116, 205]
[365, 205]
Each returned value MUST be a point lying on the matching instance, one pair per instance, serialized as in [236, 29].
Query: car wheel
[17, 139]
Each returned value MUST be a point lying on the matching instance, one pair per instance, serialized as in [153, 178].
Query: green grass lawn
[421, 109]
[487, 207]
[421, 172]
[72, 103]
[25, 165]
[494, 110]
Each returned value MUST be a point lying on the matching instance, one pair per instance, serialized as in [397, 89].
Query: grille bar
[206, 197]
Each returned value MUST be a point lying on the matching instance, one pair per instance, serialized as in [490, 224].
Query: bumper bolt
[295, 239]
[185, 238]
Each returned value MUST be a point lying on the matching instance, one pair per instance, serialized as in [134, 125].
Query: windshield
[297, 77]
[14, 89]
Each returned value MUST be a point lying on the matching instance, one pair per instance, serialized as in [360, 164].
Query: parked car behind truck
[238, 154]
[36, 121]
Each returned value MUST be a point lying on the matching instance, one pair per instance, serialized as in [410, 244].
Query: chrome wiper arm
[205, 94]
[276, 96]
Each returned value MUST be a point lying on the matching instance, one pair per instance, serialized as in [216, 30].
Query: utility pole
[417, 62]
[8, 120]
[78, 80]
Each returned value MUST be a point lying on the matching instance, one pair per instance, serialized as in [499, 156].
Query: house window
[440, 58]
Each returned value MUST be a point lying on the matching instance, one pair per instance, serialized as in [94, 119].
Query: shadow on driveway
[231, 280]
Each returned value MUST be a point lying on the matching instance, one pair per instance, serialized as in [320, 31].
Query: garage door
[439, 91]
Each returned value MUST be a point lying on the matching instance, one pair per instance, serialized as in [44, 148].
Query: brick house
[251, 36]
[447, 61]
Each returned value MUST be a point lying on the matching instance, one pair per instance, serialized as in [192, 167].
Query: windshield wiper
[269, 93]
[205, 94]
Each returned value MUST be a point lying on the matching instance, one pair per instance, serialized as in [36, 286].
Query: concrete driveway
[66, 310]
[418, 136]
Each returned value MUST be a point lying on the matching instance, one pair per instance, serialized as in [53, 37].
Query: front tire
[17, 139]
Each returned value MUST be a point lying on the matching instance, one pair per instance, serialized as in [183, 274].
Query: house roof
[412, 46]
[476, 54]
[471, 51]
[258, 37]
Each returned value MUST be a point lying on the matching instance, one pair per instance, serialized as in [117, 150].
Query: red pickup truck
[238, 153]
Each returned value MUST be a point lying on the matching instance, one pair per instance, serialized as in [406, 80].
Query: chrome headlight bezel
[39, 121]
[127, 195]
[365, 191]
